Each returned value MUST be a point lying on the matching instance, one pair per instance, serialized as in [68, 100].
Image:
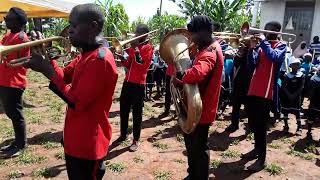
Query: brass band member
[13, 80]
[263, 90]
[87, 85]
[133, 89]
[207, 73]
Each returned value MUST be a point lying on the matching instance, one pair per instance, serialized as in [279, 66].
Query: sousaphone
[174, 49]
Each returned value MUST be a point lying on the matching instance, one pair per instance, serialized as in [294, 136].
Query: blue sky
[143, 8]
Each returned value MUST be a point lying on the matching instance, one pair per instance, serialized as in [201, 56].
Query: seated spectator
[300, 50]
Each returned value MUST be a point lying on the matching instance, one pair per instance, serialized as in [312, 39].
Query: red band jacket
[14, 77]
[88, 83]
[137, 71]
[207, 73]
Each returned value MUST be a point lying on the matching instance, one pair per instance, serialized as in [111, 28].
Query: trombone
[249, 32]
[118, 45]
[6, 50]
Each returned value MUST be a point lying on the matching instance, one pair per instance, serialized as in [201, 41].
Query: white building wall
[316, 20]
[272, 11]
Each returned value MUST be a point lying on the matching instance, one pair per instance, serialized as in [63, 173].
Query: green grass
[116, 167]
[56, 105]
[230, 154]
[274, 146]
[37, 77]
[15, 174]
[42, 172]
[219, 124]
[32, 116]
[6, 132]
[138, 159]
[212, 130]
[274, 169]
[286, 140]
[59, 155]
[158, 132]
[160, 145]
[27, 158]
[56, 117]
[180, 138]
[125, 143]
[235, 142]
[250, 137]
[215, 163]
[50, 145]
[311, 148]
[179, 161]
[162, 175]
[305, 156]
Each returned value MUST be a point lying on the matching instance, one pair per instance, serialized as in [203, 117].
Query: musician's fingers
[20, 62]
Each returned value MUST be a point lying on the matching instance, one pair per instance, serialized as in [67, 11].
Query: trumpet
[118, 45]
[5, 50]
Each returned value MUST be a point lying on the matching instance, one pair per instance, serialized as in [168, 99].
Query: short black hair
[200, 23]
[90, 12]
[316, 38]
[142, 29]
[276, 26]
[21, 14]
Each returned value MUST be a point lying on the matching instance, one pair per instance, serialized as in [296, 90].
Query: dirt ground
[161, 154]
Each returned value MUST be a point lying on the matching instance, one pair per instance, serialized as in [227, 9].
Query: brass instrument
[174, 49]
[232, 39]
[5, 50]
[118, 45]
[248, 32]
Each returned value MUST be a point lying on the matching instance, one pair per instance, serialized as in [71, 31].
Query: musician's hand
[122, 57]
[242, 50]
[40, 63]
[176, 82]
[261, 37]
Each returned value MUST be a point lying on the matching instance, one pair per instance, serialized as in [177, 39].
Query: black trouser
[198, 152]
[168, 94]
[313, 114]
[11, 99]
[258, 114]
[132, 95]
[237, 99]
[81, 169]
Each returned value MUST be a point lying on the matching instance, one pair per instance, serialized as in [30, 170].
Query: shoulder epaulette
[22, 35]
[102, 53]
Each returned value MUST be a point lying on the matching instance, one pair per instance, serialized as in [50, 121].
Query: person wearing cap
[314, 47]
[314, 106]
[292, 87]
[206, 72]
[133, 89]
[266, 60]
[13, 80]
[307, 68]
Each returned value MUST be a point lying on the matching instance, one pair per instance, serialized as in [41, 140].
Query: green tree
[134, 24]
[222, 12]
[164, 23]
[167, 22]
[117, 19]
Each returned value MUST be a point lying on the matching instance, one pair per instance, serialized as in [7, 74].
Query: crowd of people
[265, 77]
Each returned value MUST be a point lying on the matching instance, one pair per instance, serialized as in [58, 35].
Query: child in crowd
[292, 87]
[307, 68]
[314, 107]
